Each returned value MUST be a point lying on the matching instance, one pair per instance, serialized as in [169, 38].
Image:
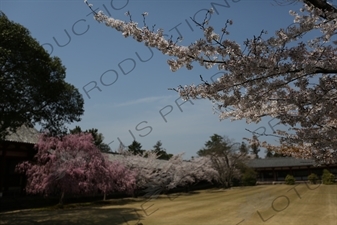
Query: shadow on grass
[33, 202]
[216, 190]
[86, 216]
[11, 203]
[169, 196]
[111, 202]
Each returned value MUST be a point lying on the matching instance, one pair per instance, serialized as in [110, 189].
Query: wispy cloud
[145, 100]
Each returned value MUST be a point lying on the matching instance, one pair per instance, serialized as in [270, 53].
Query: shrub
[327, 177]
[290, 180]
[313, 178]
[249, 177]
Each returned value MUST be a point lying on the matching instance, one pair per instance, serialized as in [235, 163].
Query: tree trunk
[61, 199]
[104, 197]
[187, 189]
[135, 194]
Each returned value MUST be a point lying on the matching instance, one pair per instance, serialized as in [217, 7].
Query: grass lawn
[270, 204]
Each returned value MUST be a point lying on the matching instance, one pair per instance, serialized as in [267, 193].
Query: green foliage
[270, 153]
[278, 155]
[313, 178]
[249, 177]
[157, 148]
[255, 148]
[98, 138]
[33, 89]
[135, 148]
[216, 146]
[290, 180]
[327, 177]
[226, 158]
[275, 155]
[243, 148]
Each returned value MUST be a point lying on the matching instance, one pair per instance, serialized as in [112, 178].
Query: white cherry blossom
[290, 76]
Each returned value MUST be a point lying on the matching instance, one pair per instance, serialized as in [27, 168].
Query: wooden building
[16, 148]
[276, 169]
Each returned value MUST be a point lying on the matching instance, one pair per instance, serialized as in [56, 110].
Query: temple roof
[280, 162]
[23, 134]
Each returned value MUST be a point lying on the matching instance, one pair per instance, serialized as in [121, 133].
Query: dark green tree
[216, 144]
[135, 148]
[243, 148]
[278, 155]
[33, 89]
[226, 158]
[157, 148]
[98, 138]
[249, 177]
[270, 153]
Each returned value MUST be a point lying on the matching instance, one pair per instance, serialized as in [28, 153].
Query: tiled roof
[24, 134]
[280, 162]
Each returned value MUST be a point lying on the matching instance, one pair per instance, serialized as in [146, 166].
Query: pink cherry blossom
[72, 164]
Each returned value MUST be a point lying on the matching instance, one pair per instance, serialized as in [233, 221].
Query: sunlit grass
[269, 204]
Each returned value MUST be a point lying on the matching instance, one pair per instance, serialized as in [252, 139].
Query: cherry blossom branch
[280, 76]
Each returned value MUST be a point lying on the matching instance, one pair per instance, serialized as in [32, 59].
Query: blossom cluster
[154, 175]
[74, 165]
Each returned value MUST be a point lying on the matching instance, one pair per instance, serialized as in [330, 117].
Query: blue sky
[132, 99]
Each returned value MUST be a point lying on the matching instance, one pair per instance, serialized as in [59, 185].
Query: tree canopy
[244, 148]
[160, 151]
[158, 176]
[270, 154]
[136, 148]
[98, 138]
[33, 89]
[289, 75]
[226, 157]
[72, 164]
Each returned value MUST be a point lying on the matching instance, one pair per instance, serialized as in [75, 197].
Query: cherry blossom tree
[176, 172]
[191, 172]
[116, 178]
[98, 137]
[290, 75]
[72, 164]
[145, 167]
[155, 176]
